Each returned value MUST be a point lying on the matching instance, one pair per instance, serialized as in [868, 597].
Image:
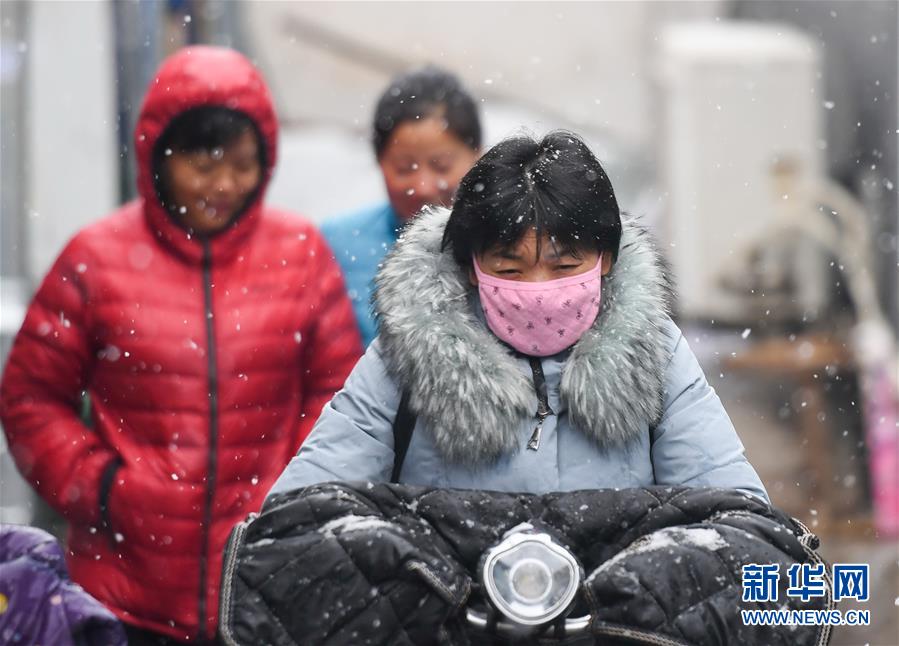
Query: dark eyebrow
[557, 254]
[508, 254]
[567, 251]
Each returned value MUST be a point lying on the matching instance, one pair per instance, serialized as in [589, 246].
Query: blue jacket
[360, 240]
[631, 404]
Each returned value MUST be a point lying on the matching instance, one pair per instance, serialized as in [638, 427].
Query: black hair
[205, 128]
[555, 186]
[202, 128]
[422, 93]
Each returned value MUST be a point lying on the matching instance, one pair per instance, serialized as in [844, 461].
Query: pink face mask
[540, 318]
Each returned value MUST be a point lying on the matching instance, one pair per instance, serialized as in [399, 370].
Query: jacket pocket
[107, 478]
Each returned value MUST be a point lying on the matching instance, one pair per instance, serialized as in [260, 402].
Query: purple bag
[39, 604]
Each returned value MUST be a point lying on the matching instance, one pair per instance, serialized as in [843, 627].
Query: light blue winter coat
[360, 240]
[632, 406]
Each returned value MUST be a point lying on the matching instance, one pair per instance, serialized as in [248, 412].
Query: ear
[472, 277]
[606, 263]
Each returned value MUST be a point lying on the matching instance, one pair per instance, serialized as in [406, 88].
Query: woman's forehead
[526, 247]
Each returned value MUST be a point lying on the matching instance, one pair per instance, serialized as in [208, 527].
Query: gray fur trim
[613, 378]
[464, 384]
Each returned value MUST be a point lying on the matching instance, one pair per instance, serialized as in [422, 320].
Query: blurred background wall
[731, 127]
[76, 72]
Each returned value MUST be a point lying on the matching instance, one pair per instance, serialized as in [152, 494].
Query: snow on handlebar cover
[359, 563]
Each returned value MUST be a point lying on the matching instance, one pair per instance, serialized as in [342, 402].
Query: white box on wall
[735, 99]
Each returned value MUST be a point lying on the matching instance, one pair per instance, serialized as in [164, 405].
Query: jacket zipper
[212, 392]
[544, 410]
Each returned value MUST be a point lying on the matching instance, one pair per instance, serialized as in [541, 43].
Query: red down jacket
[206, 363]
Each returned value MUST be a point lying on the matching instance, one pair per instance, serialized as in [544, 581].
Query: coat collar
[466, 386]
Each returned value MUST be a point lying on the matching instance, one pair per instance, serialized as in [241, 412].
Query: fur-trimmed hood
[462, 380]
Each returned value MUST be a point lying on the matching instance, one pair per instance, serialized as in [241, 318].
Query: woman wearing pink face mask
[527, 334]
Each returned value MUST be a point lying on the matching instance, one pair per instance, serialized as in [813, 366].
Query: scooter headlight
[529, 577]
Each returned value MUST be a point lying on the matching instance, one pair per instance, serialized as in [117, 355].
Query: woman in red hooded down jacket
[207, 330]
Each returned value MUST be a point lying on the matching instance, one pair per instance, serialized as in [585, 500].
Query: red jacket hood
[194, 77]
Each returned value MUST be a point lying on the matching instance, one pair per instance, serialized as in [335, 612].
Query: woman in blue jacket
[426, 135]
[529, 330]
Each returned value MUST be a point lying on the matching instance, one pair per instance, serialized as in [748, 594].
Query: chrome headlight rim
[514, 539]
